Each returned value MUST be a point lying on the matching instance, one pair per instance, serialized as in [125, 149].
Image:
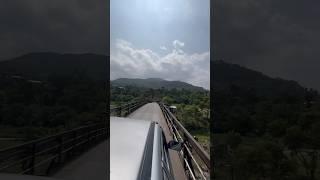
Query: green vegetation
[155, 83]
[40, 66]
[32, 110]
[270, 131]
[45, 93]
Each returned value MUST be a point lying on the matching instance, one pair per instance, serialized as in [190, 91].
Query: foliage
[270, 127]
[51, 106]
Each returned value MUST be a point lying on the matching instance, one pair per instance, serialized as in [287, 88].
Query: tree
[167, 100]
[305, 147]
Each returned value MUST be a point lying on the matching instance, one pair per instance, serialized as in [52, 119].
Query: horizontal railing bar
[14, 163]
[38, 164]
[46, 139]
[46, 150]
[49, 146]
[12, 155]
[126, 109]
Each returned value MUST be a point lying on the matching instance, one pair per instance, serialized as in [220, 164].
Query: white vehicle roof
[127, 142]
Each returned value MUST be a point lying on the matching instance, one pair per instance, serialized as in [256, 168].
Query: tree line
[34, 109]
[266, 136]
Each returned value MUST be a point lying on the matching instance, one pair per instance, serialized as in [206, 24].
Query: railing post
[120, 111]
[33, 158]
[128, 109]
[88, 136]
[74, 142]
[186, 153]
[60, 151]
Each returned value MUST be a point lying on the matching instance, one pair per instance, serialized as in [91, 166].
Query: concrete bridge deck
[92, 165]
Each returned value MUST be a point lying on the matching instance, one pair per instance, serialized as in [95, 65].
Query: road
[91, 165]
[152, 112]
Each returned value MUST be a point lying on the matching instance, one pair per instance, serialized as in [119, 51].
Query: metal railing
[196, 160]
[40, 157]
[126, 109]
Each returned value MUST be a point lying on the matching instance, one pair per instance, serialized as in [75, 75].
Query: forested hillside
[264, 128]
[155, 83]
[45, 93]
[41, 66]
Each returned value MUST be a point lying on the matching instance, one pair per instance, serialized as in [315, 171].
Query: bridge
[193, 161]
[82, 153]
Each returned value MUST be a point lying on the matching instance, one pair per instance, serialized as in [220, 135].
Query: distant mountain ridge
[41, 65]
[38, 66]
[155, 83]
[226, 75]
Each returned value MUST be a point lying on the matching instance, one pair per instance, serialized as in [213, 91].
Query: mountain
[40, 66]
[155, 83]
[226, 76]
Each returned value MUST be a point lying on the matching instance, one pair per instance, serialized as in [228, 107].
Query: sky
[64, 26]
[168, 39]
[278, 38]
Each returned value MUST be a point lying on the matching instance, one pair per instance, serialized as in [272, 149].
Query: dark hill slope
[226, 76]
[155, 83]
[41, 65]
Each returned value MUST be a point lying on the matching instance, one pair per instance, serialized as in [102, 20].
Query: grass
[203, 138]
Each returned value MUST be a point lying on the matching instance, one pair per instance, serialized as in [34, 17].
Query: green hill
[155, 83]
[42, 65]
[226, 76]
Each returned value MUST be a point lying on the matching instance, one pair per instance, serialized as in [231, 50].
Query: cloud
[128, 61]
[163, 48]
[177, 44]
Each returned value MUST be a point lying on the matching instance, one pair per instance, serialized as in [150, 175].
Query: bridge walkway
[89, 166]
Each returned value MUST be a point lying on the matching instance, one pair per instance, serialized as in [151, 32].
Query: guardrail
[40, 157]
[126, 109]
[196, 159]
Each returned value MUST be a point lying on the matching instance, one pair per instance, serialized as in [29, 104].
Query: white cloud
[177, 44]
[128, 61]
[163, 48]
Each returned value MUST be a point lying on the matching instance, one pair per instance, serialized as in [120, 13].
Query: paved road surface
[92, 165]
[152, 112]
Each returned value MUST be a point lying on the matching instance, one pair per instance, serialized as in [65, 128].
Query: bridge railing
[124, 110]
[196, 160]
[40, 157]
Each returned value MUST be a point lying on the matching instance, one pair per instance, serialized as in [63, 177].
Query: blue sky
[161, 38]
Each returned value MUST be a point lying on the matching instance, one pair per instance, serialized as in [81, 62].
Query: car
[138, 150]
[173, 109]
